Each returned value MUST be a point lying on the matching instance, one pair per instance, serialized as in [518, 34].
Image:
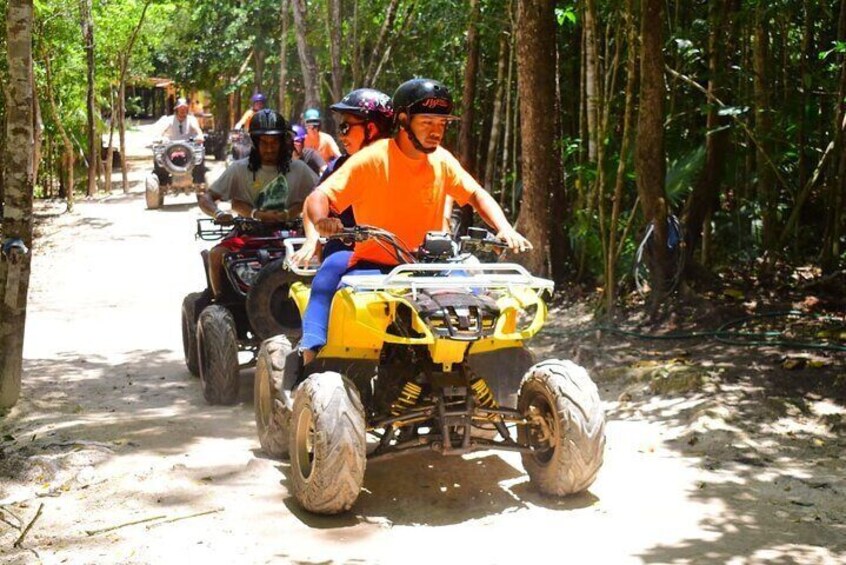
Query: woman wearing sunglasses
[366, 115]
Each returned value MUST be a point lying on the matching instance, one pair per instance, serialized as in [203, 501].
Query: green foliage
[681, 174]
[205, 44]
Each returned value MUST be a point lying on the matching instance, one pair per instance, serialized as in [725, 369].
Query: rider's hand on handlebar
[224, 219]
[515, 242]
[328, 226]
[304, 254]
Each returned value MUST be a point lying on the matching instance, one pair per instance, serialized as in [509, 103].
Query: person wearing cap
[401, 185]
[318, 140]
[308, 156]
[258, 102]
[267, 186]
[181, 125]
[177, 127]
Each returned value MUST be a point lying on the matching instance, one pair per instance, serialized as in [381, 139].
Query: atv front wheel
[192, 305]
[327, 444]
[217, 347]
[153, 193]
[275, 376]
[567, 428]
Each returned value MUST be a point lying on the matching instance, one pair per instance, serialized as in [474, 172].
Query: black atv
[254, 306]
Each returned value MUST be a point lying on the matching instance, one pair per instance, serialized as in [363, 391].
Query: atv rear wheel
[569, 430]
[275, 376]
[270, 309]
[192, 305]
[327, 444]
[217, 346]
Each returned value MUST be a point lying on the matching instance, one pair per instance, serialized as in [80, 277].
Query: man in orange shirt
[401, 185]
[318, 140]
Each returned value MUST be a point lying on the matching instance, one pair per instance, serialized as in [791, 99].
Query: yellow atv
[429, 356]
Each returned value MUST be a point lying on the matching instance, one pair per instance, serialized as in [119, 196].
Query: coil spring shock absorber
[407, 398]
[484, 395]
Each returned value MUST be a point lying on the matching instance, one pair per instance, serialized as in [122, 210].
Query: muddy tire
[275, 376]
[153, 193]
[327, 444]
[563, 394]
[270, 309]
[217, 349]
[192, 305]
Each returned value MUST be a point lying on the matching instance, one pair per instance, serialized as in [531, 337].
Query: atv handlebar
[438, 247]
[210, 229]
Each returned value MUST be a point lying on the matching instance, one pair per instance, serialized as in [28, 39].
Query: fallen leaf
[734, 293]
[793, 364]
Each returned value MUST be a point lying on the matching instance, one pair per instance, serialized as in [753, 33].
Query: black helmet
[370, 105]
[423, 96]
[267, 122]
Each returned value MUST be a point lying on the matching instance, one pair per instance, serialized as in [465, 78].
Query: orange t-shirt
[404, 196]
[325, 145]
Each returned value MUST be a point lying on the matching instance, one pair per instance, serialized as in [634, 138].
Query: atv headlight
[526, 316]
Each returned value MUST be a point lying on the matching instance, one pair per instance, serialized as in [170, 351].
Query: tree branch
[740, 122]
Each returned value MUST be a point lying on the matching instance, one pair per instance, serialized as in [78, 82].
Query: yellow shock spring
[484, 395]
[407, 398]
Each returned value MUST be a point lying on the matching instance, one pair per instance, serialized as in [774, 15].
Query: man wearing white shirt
[180, 126]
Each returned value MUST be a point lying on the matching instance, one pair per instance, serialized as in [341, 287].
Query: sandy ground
[702, 465]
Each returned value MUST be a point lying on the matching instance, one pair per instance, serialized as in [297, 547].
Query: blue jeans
[323, 287]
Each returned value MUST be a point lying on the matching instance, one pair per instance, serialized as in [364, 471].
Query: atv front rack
[209, 229]
[417, 276]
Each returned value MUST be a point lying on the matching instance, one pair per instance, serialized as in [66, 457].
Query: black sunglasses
[345, 127]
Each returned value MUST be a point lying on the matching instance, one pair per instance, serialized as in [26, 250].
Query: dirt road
[112, 429]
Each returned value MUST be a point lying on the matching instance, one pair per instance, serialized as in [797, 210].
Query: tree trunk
[471, 69]
[407, 21]
[616, 202]
[68, 157]
[705, 196]
[37, 132]
[650, 163]
[560, 252]
[284, 8]
[804, 60]
[311, 81]
[334, 24]
[110, 148]
[506, 137]
[836, 185]
[91, 129]
[536, 85]
[591, 78]
[258, 69]
[15, 264]
[763, 132]
[496, 118]
[387, 25]
[121, 105]
[124, 174]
